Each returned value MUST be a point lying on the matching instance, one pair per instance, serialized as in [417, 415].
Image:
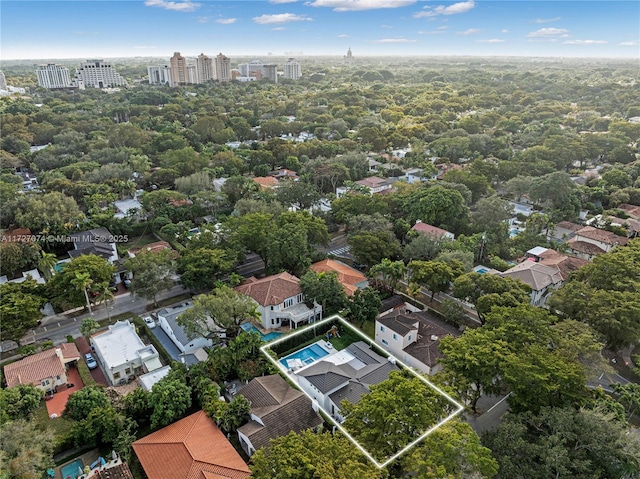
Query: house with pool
[329, 376]
[280, 301]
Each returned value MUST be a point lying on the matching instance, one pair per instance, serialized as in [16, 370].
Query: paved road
[491, 419]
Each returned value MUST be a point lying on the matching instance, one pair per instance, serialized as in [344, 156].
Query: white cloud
[282, 1]
[343, 35]
[460, 7]
[548, 32]
[491, 40]
[546, 20]
[226, 21]
[437, 31]
[627, 44]
[505, 31]
[470, 31]
[357, 5]
[386, 26]
[585, 42]
[277, 29]
[280, 18]
[393, 40]
[186, 6]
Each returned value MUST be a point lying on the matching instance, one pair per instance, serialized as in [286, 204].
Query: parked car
[149, 321]
[91, 363]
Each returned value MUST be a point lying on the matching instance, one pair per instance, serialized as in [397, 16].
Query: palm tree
[47, 263]
[106, 296]
[391, 272]
[82, 281]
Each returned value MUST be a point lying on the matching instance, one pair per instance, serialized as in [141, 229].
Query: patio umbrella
[102, 461]
[80, 471]
[114, 456]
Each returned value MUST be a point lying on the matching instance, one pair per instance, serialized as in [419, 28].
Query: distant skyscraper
[271, 72]
[178, 70]
[252, 69]
[223, 68]
[349, 56]
[292, 69]
[97, 74]
[192, 72]
[3, 82]
[53, 76]
[204, 66]
[160, 75]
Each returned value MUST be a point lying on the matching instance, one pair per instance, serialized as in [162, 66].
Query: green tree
[390, 272]
[83, 282]
[218, 313]
[363, 306]
[26, 451]
[152, 273]
[310, 455]
[105, 295]
[629, 396]
[85, 400]
[371, 248]
[396, 412]
[47, 263]
[88, 327]
[229, 416]
[325, 289]
[452, 451]
[201, 268]
[19, 308]
[564, 443]
[170, 398]
[51, 213]
[288, 249]
[437, 206]
[19, 402]
[434, 275]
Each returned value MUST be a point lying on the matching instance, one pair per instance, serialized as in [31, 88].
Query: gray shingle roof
[363, 352]
[352, 392]
[399, 324]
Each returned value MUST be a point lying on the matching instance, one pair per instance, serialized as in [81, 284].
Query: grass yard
[61, 426]
[140, 241]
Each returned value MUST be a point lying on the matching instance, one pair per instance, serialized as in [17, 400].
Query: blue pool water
[514, 232]
[482, 270]
[265, 337]
[70, 471]
[306, 355]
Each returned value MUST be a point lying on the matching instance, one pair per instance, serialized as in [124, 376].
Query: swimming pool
[306, 355]
[513, 232]
[482, 270]
[72, 470]
[265, 337]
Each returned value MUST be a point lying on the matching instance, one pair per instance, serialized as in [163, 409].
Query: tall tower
[292, 69]
[271, 72]
[223, 68]
[3, 82]
[97, 74]
[348, 58]
[178, 69]
[159, 75]
[204, 67]
[53, 76]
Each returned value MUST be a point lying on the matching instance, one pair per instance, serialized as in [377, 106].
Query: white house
[276, 410]
[589, 242]
[542, 279]
[339, 375]
[122, 354]
[280, 301]
[125, 208]
[186, 343]
[147, 381]
[413, 337]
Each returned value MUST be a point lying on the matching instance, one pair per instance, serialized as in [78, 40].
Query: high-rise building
[97, 74]
[3, 82]
[192, 72]
[292, 69]
[271, 72]
[179, 75]
[160, 75]
[223, 68]
[348, 57]
[252, 69]
[53, 76]
[204, 66]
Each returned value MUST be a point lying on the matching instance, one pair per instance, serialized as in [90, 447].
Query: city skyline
[156, 28]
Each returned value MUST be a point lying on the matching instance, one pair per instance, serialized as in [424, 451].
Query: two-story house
[99, 242]
[435, 233]
[413, 337]
[122, 354]
[373, 185]
[542, 279]
[589, 242]
[276, 410]
[280, 301]
[186, 343]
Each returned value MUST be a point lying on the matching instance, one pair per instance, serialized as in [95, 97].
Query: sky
[129, 28]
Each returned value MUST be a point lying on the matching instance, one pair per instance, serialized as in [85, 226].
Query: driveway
[165, 340]
[97, 374]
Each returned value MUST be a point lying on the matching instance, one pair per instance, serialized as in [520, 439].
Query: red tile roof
[156, 247]
[565, 264]
[631, 210]
[603, 236]
[192, 448]
[33, 369]
[266, 182]
[271, 290]
[372, 182]
[16, 235]
[429, 230]
[349, 277]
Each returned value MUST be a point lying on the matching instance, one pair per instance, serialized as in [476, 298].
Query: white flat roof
[118, 345]
[537, 251]
[148, 380]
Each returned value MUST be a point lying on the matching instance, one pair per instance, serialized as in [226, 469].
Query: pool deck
[325, 345]
[87, 458]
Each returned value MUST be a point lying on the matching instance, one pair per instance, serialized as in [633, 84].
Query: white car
[149, 321]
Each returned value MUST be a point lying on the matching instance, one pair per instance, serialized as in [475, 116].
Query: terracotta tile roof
[15, 235]
[372, 182]
[631, 210]
[281, 409]
[567, 225]
[192, 448]
[606, 237]
[33, 369]
[271, 290]
[534, 274]
[584, 247]
[565, 264]
[349, 277]
[266, 182]
[156, 247]
[429, 230]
